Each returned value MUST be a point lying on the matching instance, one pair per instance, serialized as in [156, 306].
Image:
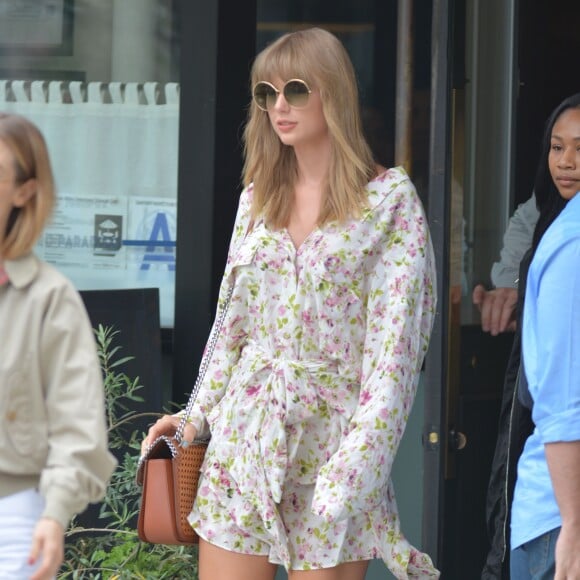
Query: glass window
[100, 79]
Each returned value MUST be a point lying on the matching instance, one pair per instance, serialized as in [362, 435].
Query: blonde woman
[53, 442]
[316, 366]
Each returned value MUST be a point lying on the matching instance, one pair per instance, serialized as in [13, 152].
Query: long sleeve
[516, 241]
[551, 333]
[400, 313]
[78, 465]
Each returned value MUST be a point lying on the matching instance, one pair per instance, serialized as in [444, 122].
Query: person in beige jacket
[54, 458]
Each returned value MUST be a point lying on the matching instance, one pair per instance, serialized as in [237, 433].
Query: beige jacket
[52, 410]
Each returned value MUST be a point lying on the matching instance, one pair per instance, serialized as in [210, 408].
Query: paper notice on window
[103, 243]
[86, 232]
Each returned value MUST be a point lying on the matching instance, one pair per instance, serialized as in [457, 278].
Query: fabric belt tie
[269, 395]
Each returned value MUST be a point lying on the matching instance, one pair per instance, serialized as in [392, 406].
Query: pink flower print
[379, 310]
[332, 263]
[282, 310]
[395, 208]
[397, 287]
[334, 346]
[365, 397]
[332, 301]
[252, 390]
[352, 477]
[384, 414]
[269, 514]
[401, 223]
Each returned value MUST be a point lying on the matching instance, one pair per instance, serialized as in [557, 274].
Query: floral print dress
[311, 383]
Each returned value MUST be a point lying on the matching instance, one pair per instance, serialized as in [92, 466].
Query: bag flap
[162, 448]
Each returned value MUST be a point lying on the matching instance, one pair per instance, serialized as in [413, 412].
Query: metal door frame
[435, 421]
[500, 125]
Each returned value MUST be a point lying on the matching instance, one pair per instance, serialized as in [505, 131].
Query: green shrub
[112, 549]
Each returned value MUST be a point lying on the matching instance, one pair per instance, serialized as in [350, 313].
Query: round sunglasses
[295, 91]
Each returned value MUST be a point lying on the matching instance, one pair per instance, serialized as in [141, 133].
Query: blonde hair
[31, 161]
[319, 58]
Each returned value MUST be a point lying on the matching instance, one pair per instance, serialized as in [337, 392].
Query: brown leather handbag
[169, 475]
[169, 471]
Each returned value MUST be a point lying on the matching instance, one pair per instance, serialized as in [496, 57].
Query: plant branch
[132, 418]
[76, 531]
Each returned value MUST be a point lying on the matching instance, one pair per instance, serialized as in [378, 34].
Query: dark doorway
[548, 48]
[546, 56]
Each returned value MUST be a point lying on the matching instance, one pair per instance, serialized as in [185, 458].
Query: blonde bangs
[283, 60]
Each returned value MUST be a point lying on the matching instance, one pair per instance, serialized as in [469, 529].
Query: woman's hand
[48, 545]
[167, 425]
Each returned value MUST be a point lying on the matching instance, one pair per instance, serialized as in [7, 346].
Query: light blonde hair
[31, 161]
[319, 58]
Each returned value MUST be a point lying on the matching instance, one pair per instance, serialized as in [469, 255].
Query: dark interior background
[548, 49]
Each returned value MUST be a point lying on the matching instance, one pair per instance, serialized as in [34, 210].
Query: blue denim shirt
[551, 352]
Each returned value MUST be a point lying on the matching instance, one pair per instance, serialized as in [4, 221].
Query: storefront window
[101, 80]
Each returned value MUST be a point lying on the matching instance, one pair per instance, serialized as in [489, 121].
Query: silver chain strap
[204, 365]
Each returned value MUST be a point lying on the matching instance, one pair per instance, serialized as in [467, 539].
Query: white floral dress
[311, 383]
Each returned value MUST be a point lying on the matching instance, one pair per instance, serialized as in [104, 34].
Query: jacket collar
[22, 271]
